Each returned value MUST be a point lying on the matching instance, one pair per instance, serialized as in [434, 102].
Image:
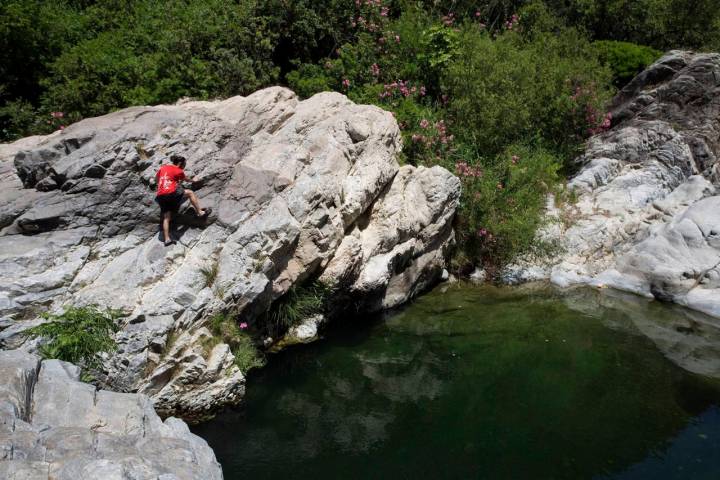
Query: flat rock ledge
[52, 426]
[647, 217]
[300, 190]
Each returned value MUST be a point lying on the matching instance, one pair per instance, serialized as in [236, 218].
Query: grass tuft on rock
[225, 328]
[299, 303]
[210, 273]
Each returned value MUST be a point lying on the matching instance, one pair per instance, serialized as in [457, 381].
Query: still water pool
[496, 383]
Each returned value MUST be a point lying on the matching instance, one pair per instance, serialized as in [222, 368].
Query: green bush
[625, 59]
[226, 329]
[308, 80]
[19, 118]
[156, 52]
[547, 86]
[77, 335]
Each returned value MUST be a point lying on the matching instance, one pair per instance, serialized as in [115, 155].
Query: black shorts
[171, 202]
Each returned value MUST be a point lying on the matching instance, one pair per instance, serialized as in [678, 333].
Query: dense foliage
[625, 59]
[78, 335]
[503, 92]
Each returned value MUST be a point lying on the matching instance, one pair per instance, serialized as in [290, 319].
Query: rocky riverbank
[53, 426]
[300, 190]
[647, 215]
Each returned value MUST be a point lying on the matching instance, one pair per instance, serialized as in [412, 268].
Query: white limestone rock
[299, 189]
[647, 219]
[61, 429]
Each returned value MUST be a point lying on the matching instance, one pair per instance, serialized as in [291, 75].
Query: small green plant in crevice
[299, 303]
[220, 290]
[225, 328]
[78, 335]
[210, 273]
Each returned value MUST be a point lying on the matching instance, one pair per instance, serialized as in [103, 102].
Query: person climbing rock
[171, 194]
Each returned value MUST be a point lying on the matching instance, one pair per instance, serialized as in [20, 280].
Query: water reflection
[688, 338]
[481, 383]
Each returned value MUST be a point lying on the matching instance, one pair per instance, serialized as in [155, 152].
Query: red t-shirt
[168, 177]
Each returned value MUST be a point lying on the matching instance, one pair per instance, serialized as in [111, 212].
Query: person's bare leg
[166, 225]
[195, 203]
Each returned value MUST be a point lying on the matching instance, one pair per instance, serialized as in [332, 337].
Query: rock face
[299, 190]
[647, 219]
[53, 426]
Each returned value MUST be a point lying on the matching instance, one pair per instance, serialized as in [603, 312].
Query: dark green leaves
[78, 335]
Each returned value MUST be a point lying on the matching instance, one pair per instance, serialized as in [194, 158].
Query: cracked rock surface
[53, 426]
[647, 218]
[299, 190]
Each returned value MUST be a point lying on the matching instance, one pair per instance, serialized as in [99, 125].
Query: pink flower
[243, 326]
[62, 127]
[422, 91]
[514, 159]
[477, 13]
[375, 69]
[346, 83]
[466, 170]
[384, 12]
[424, 123]
[397, 38]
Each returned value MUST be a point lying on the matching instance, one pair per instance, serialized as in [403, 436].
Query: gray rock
[478, 276]
[300, 190]
[647, 219]
[305, 332]
[59, 428]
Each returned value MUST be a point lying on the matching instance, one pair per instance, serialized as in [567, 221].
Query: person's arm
[196, 181]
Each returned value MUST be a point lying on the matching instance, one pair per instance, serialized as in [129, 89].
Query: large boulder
[300, 190]
[647, 218]
[52, 426]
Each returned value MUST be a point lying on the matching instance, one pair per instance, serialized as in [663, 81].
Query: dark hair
[178, 159]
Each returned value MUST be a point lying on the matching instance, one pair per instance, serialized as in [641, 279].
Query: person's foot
[170, 242]
[205, 212]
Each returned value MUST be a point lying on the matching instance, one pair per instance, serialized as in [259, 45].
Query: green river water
[483, 382]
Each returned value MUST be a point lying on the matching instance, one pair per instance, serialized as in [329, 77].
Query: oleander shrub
[503, 203]
[544, 85]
